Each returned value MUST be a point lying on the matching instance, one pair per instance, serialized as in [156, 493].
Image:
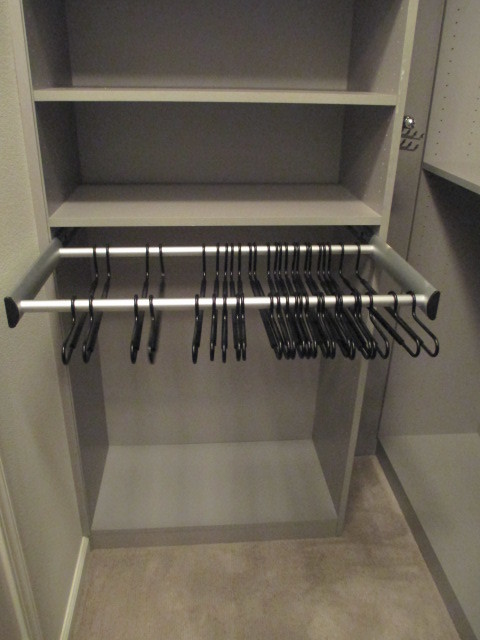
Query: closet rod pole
[408, 277]
[33, 281]
[179, 304]
[132, 252]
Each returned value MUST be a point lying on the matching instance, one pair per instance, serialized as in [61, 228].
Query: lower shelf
[441, 476]
[223, 492]
[212, 205]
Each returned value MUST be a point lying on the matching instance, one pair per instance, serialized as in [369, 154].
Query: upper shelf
[268, 96]
[211, 205]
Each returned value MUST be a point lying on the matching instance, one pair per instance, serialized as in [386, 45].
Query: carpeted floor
[369, 584]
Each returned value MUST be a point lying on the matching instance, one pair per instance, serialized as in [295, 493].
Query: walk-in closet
[212, 188]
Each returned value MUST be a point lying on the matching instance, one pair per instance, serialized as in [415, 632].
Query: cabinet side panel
[336, 407]
[47, 38]
[240, 43]
[441, 395]
[209, 143]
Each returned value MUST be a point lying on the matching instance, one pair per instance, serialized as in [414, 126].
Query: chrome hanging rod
[210, 250]
[180, 304]
[22, 298]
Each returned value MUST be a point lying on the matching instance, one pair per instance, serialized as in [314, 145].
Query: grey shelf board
[441, 476]
[196, 491]
[211, 205]
[463, 174]
[269, 96]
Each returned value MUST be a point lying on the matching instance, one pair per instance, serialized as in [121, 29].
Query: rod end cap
[13, 313]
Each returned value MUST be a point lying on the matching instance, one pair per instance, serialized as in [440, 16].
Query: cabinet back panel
[377, 45]
[46, 27]
[209, 143]
[240, 43]
[175, 401]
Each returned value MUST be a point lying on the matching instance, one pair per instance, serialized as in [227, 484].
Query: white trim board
[74, 589]
[13, 560]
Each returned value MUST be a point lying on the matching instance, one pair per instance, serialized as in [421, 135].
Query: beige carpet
[369, 584]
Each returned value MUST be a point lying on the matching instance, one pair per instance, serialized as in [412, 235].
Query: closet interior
[175, 128]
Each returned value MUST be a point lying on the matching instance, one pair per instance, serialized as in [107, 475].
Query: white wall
[33, 444]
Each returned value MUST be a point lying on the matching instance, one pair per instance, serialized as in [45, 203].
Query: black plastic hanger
[156, 316]
[197, 333]
[392, 312]
[225, 308]
[139, 315]
[77, 325]
[95, 319]
[436, 343]
[214, 323]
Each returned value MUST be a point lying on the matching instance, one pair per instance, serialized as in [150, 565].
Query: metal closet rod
[177, 251]
[179, 304]
[22, 298]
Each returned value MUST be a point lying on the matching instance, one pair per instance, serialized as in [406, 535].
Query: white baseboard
[72, 598]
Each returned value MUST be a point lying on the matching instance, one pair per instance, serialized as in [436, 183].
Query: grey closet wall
[33, 446]
[427, 36]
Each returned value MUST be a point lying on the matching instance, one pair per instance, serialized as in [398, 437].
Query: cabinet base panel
[219, 492]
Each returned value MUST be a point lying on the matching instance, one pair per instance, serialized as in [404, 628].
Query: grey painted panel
[422, 72]
[212, 484]
[441, 477]
[337, 395]
[441, 395]
[46, 27]
[366, 149]
[216, 143]
[209, 44]
[377, 45]
[453, 144]
[59, 152]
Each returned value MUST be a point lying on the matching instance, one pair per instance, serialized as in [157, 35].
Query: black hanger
[139, 316]
[392, 312]
[233, 294]
[366, 343]
[77, 325]
[266, 317]
[224, 329]
[225, 308]
[405, 326]
[156, 316]
[216, 287]
[436, 343]
[318, 316]
[197, 333]
[242, 329]
[213, 328]
[335, 322]
[283, 315]
[371, 312]
[95, 319]
[303, 319]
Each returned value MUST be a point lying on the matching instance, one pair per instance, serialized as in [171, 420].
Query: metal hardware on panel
[410, 135]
